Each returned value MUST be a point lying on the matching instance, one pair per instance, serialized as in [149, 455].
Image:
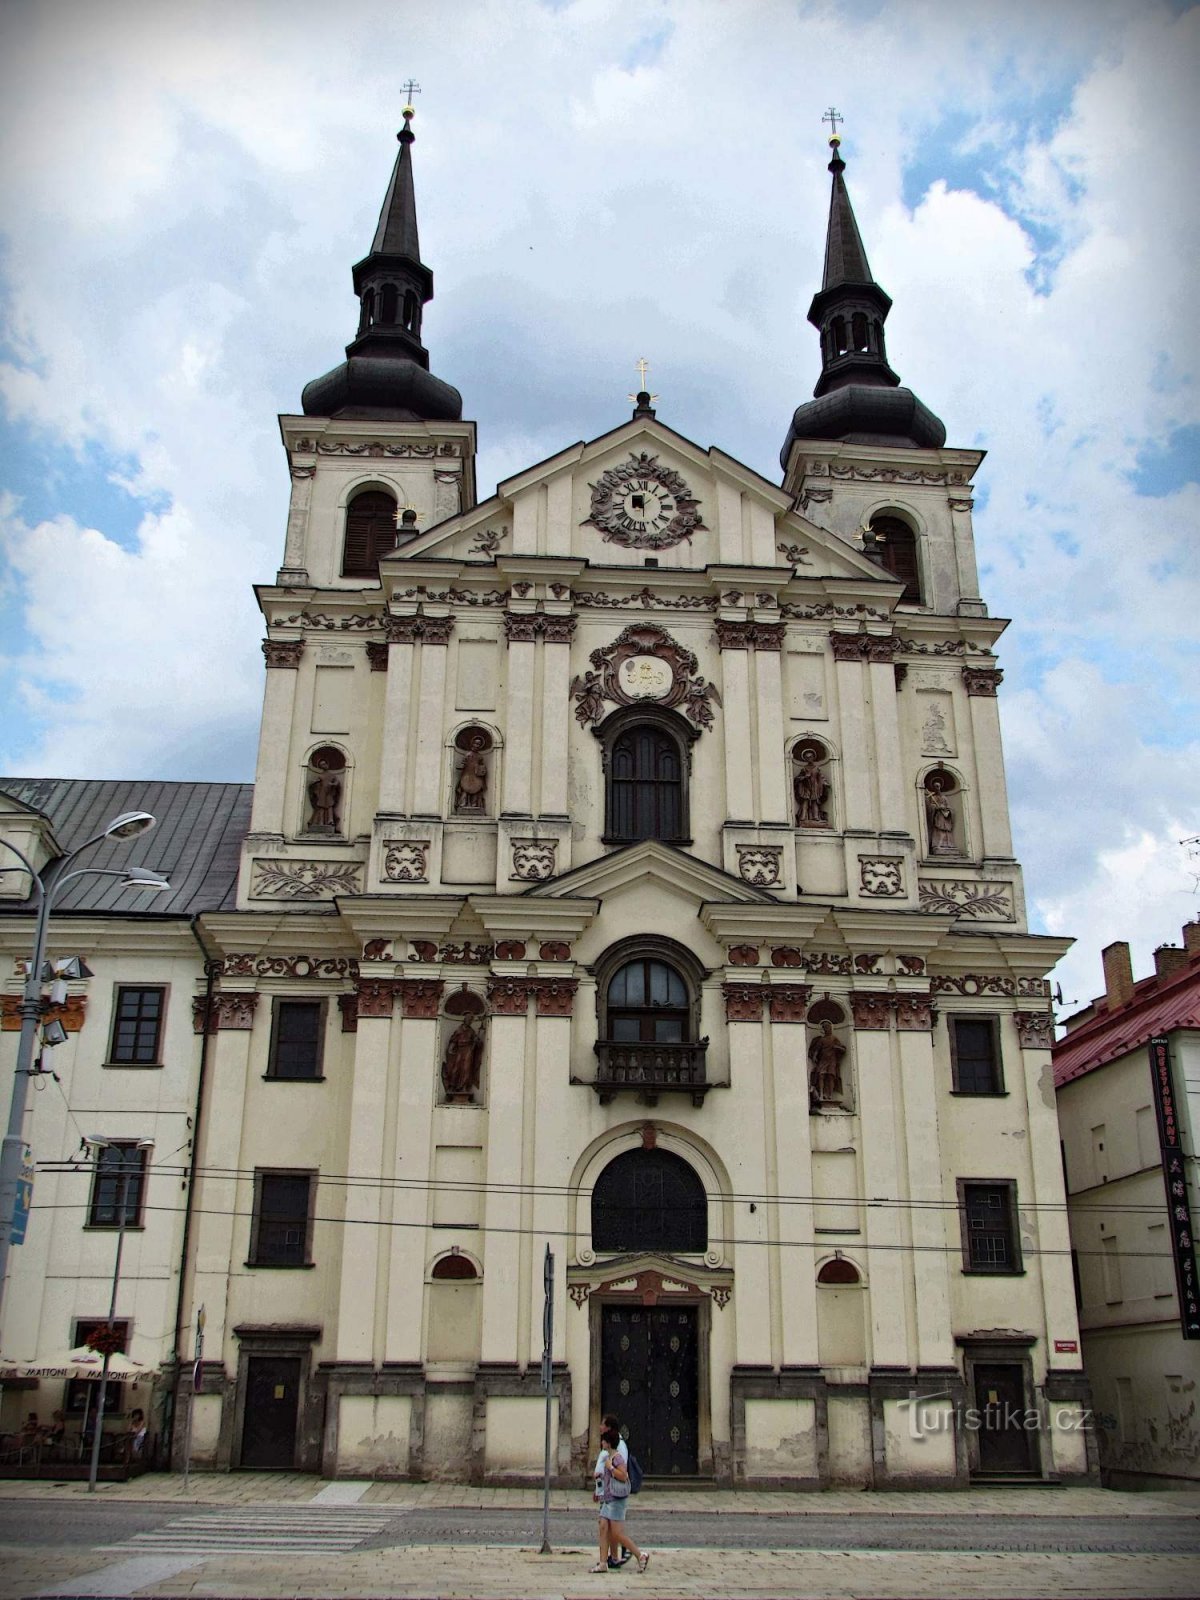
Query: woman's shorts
[614, 1510]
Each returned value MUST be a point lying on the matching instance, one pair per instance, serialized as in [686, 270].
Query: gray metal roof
[196, 843]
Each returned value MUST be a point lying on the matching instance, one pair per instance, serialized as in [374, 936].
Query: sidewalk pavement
[295, 1488]
[474, 1572]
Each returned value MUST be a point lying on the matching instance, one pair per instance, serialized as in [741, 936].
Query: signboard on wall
[1183, 1247]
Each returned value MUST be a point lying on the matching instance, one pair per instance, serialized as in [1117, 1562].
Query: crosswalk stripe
[265, 1529]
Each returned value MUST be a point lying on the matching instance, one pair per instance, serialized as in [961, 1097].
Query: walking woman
[612, 1494]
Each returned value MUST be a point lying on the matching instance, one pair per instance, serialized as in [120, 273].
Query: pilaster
[275, 742]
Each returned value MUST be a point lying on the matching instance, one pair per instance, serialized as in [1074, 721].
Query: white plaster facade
[834, 1322]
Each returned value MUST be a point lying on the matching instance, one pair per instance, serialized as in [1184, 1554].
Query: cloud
[189, 184]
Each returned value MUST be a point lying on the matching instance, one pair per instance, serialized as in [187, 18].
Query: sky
[186, 186]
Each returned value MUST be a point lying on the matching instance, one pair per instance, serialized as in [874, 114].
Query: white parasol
[82, 1362]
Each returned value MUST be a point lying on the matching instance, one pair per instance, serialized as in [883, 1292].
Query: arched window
[645, 798]
[859, 325]
[387, 303]
[648, 1004]
[412, 312]
[839, 336]
[458, 1267]
[368, 311]
[649, 1200]
[898, 546]
[370, 533]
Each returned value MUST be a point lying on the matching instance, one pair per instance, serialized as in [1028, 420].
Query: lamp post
[45, 887]
[99, 1145]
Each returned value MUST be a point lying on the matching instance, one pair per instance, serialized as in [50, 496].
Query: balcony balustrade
[649, 1070]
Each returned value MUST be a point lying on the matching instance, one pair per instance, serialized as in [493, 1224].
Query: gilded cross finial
[833, 117]
[411, 88]
[643, 367]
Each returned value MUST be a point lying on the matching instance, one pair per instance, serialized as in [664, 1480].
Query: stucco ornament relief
[303, 880]
[933, 732]
[488, 541]
[533, 859]
[643, 505]
[644, 663]
[967, 898]
[406, 860]
[1035, 1029]
[881, 876]
[759, 864]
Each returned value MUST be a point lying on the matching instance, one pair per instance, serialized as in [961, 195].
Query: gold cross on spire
[643, 367]
[833, 117]
[411, 88]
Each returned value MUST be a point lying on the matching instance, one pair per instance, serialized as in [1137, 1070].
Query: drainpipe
[211, 970]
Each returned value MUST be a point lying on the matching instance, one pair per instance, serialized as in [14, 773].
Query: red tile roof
[1158, 1006]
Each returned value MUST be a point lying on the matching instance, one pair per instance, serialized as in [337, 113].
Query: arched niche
[812, 769]
[473, 762]
[828, 1048]
[841, 1314]
[454, 1315]
[325, 797]
[942, 799]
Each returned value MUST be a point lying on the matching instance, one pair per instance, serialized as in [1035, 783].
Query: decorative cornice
[1035, 1029]
[71, 1013]
[236, 965]
[283, 652]
[874, 648]
[989, 983]
[788, 1002]
[646, 598]
[420, 998]
[823, 469]
[378, 447]
[982, 681]
[419, 630]
[743, 1002]
[745, 635]
[524, 626]
[232, 1013]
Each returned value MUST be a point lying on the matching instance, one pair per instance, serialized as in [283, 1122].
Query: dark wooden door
[1005, 1442]
[272, 1407]
[649, 1377]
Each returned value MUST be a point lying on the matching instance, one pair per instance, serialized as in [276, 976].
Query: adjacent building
[628, 871]
[1127, 1076]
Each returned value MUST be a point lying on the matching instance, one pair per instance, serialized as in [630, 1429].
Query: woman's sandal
[643, 1560]
[599, 1568]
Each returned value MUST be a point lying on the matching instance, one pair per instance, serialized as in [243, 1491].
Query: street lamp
[99, 1145]
[45, 887]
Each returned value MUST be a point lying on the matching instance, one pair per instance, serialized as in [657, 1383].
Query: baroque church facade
[627, 871]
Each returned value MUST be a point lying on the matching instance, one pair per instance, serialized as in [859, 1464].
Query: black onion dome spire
[858, 397]
[386, 371]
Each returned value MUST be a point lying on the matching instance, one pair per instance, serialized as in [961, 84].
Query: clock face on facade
[644, 505]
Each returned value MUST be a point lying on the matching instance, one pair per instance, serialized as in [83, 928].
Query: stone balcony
[649, 1070]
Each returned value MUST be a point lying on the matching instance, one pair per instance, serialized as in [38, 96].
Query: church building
[628, 871]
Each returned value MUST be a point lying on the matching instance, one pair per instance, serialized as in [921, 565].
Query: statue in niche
[825, 1067]
[325, 792]
[460, 1068]
[810, 787]
[470, 789]
[940, 814]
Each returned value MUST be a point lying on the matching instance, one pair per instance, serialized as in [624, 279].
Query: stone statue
[811, 789]
[470, 791]
[460, 1069]
[325, 796]
[940, 814]
[825, 1071]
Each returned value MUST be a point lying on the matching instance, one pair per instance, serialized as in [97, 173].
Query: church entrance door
[272, 1404]
[649, 1378]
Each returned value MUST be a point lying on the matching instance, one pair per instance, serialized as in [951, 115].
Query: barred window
[975, 1063]
[118, 1178]
[281, 1229]
[297, 1037]
[649, 1200]
[990, 1240]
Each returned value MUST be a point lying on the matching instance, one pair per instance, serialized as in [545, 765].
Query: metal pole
[112, 1311]
[31, 1010]
[197, 1369]
[548, 1386]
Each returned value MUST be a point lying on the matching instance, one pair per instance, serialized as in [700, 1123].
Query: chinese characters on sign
[1183, 1250]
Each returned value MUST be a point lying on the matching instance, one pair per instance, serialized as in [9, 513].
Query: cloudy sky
[186, 186]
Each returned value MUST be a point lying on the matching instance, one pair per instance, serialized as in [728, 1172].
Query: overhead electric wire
[826, 1242]
[582, 1191]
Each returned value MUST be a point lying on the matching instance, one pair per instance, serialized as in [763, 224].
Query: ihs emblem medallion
[644, 505]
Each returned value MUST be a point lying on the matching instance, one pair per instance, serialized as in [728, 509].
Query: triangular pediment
[643, 493]
[651, 861]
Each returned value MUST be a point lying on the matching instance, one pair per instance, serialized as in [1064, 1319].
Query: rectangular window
[137, 1027]
[118, 1180]
[82, 1393]
[975, 1055]
[281, 1230]
[988, 1210]
[297, 1038]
